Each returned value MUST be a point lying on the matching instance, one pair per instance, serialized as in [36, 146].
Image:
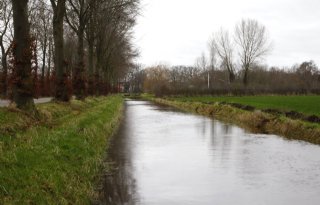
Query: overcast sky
[177, 31]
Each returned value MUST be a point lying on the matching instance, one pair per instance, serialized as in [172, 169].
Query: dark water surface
[166, 157]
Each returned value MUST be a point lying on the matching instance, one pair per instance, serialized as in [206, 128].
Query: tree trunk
[91, 32]
[98, 68]
[43, 90]
[91, 67]
[231, 77]
[245, 77]
[80, 84]
[61, 91]
[23, 86]
[48, 77]
[4, 63]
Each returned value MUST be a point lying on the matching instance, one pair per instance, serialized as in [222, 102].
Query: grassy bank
[255, 121]
[55, 160]
[305, 104]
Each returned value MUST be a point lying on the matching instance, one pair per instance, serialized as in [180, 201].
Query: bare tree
[49, 86]
[135, 79]
[307, 74]
[253, 43]
[5, 41]
[23, 86]
[157, 79]
[61, 92]
[91, 35]
[45, 32]
[78, 16]
[113, 47]
[224, 48]
[40, 16]
[201, 62]
[212, 55]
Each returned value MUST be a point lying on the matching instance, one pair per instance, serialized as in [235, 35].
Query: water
[166, 157]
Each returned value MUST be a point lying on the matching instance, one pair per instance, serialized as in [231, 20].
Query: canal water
[162, 156]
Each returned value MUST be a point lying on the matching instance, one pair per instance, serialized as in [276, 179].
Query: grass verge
[306, 104]
[255, 121]
[55, 160]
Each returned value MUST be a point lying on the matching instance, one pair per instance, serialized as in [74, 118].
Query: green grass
[55, 160]
[305, 104]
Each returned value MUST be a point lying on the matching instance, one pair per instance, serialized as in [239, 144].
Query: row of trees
[302, 78]
[250, 42]
[64, 47]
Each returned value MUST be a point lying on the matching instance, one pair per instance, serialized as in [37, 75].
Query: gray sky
[176, 31]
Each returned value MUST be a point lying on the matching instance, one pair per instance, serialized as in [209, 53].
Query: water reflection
[166, 157]
[118, 186]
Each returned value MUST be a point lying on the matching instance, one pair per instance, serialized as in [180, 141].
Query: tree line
[161, 79]
[220, 74]
[62, 48]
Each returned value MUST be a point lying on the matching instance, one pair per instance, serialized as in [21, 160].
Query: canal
[162, 156]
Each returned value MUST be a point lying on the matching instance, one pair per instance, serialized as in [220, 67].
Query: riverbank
[304, 107]
[55, 159]
[252, 119]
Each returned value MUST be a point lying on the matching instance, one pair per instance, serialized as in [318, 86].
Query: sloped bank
[56, 159]
[255, 121]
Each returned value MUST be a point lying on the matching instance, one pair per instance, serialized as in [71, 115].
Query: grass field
[55, 160]
[305, 104]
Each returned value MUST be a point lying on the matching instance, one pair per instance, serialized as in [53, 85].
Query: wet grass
[309, 105]
[55, 160]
